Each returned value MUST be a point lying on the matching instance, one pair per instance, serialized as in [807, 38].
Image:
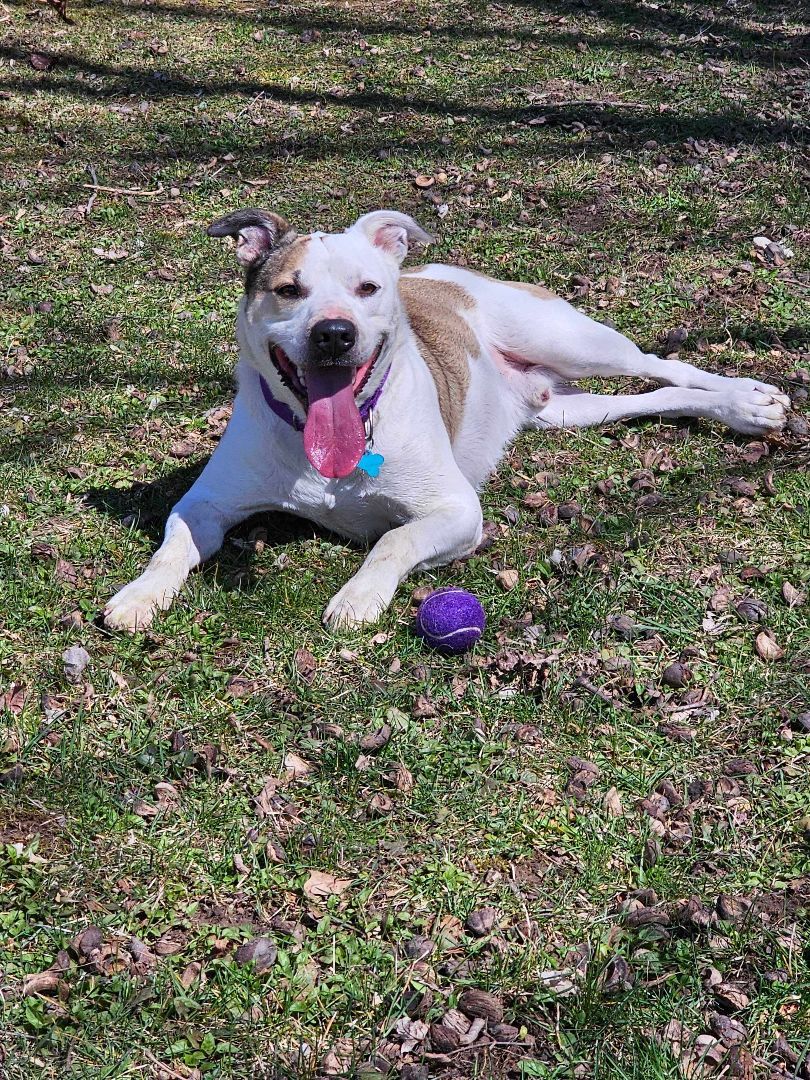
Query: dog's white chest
[354, 507]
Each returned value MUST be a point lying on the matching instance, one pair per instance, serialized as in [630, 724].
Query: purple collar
[285, 413]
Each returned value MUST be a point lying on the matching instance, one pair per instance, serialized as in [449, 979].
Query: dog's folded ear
[257, 233]
[392, 231]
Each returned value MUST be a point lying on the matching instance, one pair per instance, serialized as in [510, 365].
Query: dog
[376, 402]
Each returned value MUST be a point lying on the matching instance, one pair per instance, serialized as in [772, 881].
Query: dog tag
[370, 463]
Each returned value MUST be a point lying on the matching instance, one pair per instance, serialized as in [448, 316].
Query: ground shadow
[732, 124]
[716, 33]
[146, 506]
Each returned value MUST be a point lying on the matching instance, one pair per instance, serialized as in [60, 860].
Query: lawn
[238, 846]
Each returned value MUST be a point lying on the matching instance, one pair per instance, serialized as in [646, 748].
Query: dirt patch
[23, 826]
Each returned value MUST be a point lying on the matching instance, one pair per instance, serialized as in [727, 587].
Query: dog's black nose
[330, 339]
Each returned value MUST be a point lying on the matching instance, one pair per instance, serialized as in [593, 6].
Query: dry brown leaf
[264, 800]
[767, 648]
[40, 62]
[305, 665]
[721, 599]
[44, 982]
[792, 596]
[381, 804]
[190, 974]
[320, 885]
[507, 579]
[613, 803]
[295, 766]
[401, 778]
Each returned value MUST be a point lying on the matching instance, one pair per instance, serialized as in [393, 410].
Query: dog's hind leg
[750, 411]
[549, 332]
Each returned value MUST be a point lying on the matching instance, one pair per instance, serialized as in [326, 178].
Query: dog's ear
[257, 233]
[391, 231]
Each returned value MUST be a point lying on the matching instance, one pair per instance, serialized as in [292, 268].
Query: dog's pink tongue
[334, 439]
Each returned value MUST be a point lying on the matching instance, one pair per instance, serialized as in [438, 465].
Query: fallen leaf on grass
[729, 1031]
[44, 982]
[478, 1003]
[401, 778]
[66, 572]
[40, 62]
[274, 852]
[295, 767]
[376, 740]
[613, 803]
[481, 922]
[424, 708]
[721, 599]
[767, 648]
[75, 660]
[263, 802]
[239, 687]
[380, 804]
[167, 795]
[13, 699]
[320, 885]
[111, 254]
[730, 998]
[173, 941]
[143, 809]
[86, 943]
[261, 953]
[617, 976]
[507, 579]
[190, 974]
[305, 665]
[792, 596]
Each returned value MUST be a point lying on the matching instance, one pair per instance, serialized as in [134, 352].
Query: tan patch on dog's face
[446, 340]
[283, 265]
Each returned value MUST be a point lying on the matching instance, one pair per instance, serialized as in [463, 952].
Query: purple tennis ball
[451, 620]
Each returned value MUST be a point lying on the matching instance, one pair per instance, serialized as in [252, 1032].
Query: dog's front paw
[134, 607]
[747, 385]
[357, 602]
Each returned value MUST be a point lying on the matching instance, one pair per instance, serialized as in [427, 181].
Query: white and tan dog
[376, 402]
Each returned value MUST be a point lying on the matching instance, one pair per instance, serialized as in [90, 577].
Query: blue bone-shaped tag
[370, 463]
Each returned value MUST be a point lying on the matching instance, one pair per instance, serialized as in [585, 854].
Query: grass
[639, 146]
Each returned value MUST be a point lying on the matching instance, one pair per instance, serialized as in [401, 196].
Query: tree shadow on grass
[733, 124]
[717, 34]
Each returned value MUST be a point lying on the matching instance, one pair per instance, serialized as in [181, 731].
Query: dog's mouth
[334, 433]
[298, 381]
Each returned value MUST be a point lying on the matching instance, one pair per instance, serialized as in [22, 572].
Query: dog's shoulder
[437, 311]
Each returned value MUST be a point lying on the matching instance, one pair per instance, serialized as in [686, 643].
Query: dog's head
[319, 314]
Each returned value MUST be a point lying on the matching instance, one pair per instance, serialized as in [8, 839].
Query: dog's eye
[288, 291]
[368, 288]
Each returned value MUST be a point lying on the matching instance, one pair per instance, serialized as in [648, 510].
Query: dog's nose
[331, 339]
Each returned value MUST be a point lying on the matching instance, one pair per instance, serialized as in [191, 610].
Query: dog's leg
[194, 531]
[445, 532]
[752, 412]
[602, 351]
[553, 334]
